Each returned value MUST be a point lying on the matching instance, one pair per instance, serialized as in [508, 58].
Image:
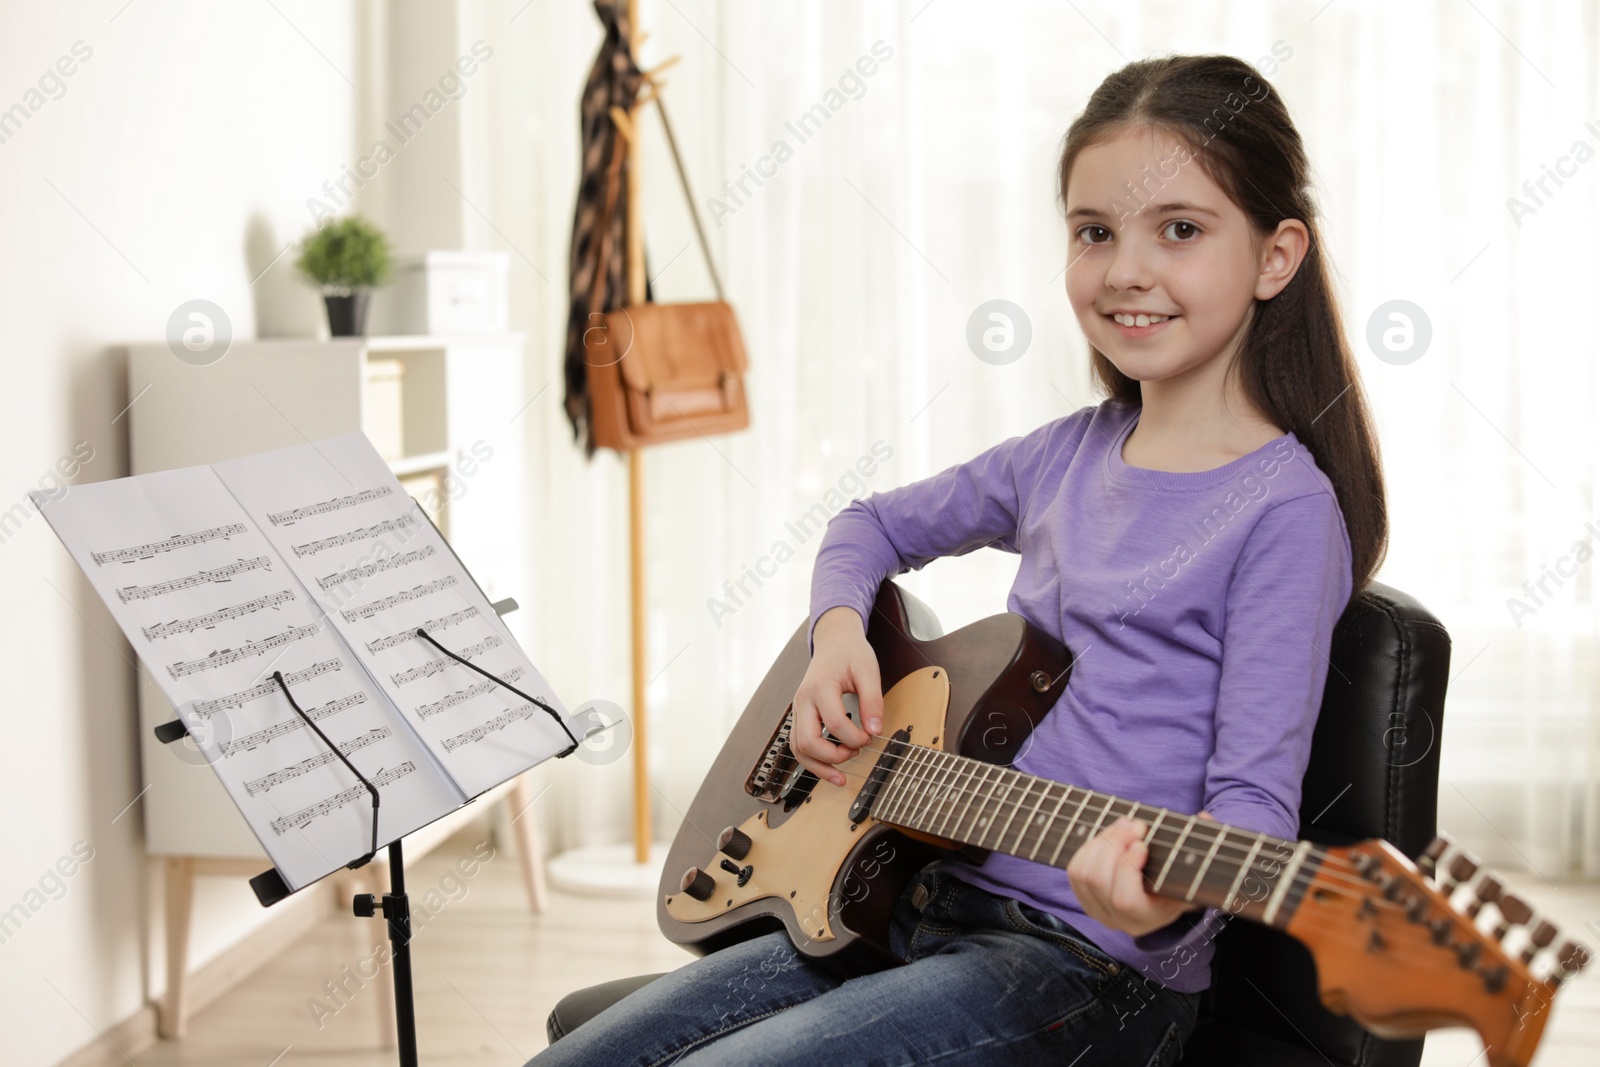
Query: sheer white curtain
[874, 233]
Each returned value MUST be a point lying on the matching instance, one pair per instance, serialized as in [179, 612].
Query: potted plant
[346, 258]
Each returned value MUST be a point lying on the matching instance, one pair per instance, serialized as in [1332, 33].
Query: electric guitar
[1403, 947]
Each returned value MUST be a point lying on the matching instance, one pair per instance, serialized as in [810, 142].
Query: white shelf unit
[270, 394]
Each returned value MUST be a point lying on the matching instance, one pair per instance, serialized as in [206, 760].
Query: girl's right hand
[842, 662]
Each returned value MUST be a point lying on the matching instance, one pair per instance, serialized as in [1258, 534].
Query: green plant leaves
[344, 254]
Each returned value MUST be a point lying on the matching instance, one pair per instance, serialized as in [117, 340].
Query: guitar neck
[992, 807]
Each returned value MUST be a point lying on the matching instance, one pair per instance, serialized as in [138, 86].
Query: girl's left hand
[1107, 875]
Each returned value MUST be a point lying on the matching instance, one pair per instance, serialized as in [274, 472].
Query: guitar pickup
[862, 806]
[797, 786]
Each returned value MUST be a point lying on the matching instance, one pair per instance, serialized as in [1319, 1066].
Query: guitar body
[807, 867]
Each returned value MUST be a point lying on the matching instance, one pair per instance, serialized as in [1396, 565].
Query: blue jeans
[991, 981]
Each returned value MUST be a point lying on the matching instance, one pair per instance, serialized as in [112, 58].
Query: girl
[1192, 539]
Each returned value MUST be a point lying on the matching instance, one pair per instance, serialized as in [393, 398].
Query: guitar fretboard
[967, 800]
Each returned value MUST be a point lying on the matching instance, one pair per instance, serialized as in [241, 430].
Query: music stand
[395, 907]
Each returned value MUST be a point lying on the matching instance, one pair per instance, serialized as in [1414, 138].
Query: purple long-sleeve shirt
[1200, 607]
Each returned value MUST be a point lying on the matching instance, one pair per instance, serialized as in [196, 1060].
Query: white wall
[179, 159]
[173, 165]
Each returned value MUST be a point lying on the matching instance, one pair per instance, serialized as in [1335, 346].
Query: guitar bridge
[778, 776]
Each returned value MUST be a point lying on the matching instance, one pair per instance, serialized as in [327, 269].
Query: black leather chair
[1374, 772]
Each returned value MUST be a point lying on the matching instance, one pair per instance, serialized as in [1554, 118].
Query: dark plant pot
[347, 315]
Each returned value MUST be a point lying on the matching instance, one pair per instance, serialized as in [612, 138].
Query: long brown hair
[1295, 364]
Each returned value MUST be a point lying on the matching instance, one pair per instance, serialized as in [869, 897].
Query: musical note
[206, 708]
[289, 726]
[478, 733]
[171, 544]
[219, 574]
[311, 548]
[461, 696]
[366, 611]
[433, 667]
[369, 569]
[267, 781]
[233, 655]
[284, 824]
[211, 618]
[289, 518]
[431, 625]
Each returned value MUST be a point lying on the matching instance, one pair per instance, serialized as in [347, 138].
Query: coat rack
[601, 869]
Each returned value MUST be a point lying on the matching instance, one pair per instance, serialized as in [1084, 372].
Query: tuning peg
[734, 842]
[1461, 869]
[1487, 891]
[1541, 936]
[1365, 864]
[1514, 911]
[1572, 958]
[1428, 862]
[697, 883]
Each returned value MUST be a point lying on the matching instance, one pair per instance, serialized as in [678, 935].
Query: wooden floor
[488, 971]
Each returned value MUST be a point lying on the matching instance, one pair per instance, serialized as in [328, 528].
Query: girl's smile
[1127, 325]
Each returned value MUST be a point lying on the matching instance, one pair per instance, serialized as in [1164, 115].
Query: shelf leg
[180, 911]
[526, 827]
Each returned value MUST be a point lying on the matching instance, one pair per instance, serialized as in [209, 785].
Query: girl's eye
[1086, 229]
[1194, 230]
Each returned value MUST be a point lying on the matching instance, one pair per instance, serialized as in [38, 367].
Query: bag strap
[694, 213]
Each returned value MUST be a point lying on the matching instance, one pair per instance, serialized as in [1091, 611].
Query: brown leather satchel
[661, 372]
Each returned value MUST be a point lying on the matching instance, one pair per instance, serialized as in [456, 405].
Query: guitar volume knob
[734, 842]
[697, 883]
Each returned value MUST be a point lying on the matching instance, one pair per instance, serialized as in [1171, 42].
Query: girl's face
[1150, 233]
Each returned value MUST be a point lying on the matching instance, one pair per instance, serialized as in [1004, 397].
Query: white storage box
[443, 293]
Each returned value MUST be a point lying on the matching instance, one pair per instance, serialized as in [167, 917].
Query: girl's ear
[1281, 255]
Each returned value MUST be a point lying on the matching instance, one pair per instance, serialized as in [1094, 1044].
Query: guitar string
[962, 792]
[1302, 918]
[1211, 833]
[1330, 923]
[1329, 863]
[1207, 832]
[1307, 919]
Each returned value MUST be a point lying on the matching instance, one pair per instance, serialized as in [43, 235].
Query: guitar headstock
[1406, 947]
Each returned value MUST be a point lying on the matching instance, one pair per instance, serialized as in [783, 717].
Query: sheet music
[212, 610]
[369, 556]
